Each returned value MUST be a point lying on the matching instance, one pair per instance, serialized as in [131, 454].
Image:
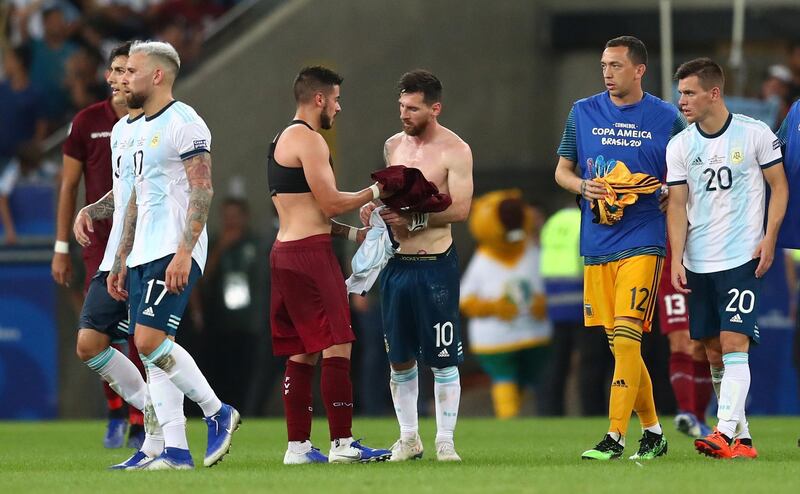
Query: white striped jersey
[726, 202]
[164, 140]
[123, 136]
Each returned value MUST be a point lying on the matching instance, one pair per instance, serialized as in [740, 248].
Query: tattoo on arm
[339, 229]
[128, 233]
[198, 172]
[386, 153]
[103, 208]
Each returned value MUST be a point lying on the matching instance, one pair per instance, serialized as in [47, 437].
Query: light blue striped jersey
[122, 140]
[726, 190]
[164, 141]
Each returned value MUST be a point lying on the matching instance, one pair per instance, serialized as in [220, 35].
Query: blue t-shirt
[789, 134]
[597, 130]
[20, 112]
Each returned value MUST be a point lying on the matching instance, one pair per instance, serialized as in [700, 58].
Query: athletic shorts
[724, 301]
[419, 306]
[673, 307]
[151, 304]
[624, 288]
[309, 311]
[102, 313]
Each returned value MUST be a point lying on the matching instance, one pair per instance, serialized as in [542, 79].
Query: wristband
[419, 221]
[376, 192]
[352, 234]
[61, 247]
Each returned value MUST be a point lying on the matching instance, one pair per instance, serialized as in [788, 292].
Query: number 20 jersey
[726, 190]
[164, 141]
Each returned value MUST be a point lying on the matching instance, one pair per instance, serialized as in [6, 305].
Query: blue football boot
[115, 433]
[221, 427]
[171, 459]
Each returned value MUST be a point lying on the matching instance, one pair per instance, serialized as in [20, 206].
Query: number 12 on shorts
[444, 333]
[642, 305]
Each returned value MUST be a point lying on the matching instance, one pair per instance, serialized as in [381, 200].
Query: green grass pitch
[525, 455]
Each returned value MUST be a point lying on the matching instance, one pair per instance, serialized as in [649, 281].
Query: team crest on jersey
[737, 156]
[155, 140]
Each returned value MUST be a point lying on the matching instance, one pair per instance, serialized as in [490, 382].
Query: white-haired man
[164, 244]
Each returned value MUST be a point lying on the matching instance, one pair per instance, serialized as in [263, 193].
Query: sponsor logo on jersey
[716, 160]
[200, 144]
[736, 318]
[776, 144]
[444, 353]
[100, 135]
[697, 162]
[148, 312]
[620, 383]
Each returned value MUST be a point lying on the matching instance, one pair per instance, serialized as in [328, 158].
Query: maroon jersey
[89, 142]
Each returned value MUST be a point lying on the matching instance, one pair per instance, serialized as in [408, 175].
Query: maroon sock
[297, 400]
[337, 393]
[113, 402]
[135, 416]
[702, 389]
[681, 377]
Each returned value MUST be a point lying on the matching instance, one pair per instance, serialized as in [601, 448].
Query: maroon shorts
[309, 311]
[673, 307]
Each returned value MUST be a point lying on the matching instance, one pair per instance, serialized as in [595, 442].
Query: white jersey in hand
[164, 140]
[487, 278]
[726, 190]
[123, 137]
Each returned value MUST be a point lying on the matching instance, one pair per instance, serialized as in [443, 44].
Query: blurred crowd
[54, 56]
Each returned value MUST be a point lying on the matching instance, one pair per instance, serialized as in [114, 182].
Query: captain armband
[419, 221]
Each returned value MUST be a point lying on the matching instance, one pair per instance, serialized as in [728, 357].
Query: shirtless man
[309, 312]
[420, 285]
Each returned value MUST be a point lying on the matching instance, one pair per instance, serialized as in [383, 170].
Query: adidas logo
[619, 383]
[697, 161]
[149, 312]
[444, 353]
[736, 318]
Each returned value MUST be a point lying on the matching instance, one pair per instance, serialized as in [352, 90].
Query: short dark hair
[312, 80]
[421, 81]
[708, 72]
[637, 52]
[122, 50]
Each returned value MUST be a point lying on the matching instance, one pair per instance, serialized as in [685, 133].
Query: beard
[135, 101]
[414, 130]
[325, 121]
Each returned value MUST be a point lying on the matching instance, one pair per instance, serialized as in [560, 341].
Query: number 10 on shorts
[444, 334]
